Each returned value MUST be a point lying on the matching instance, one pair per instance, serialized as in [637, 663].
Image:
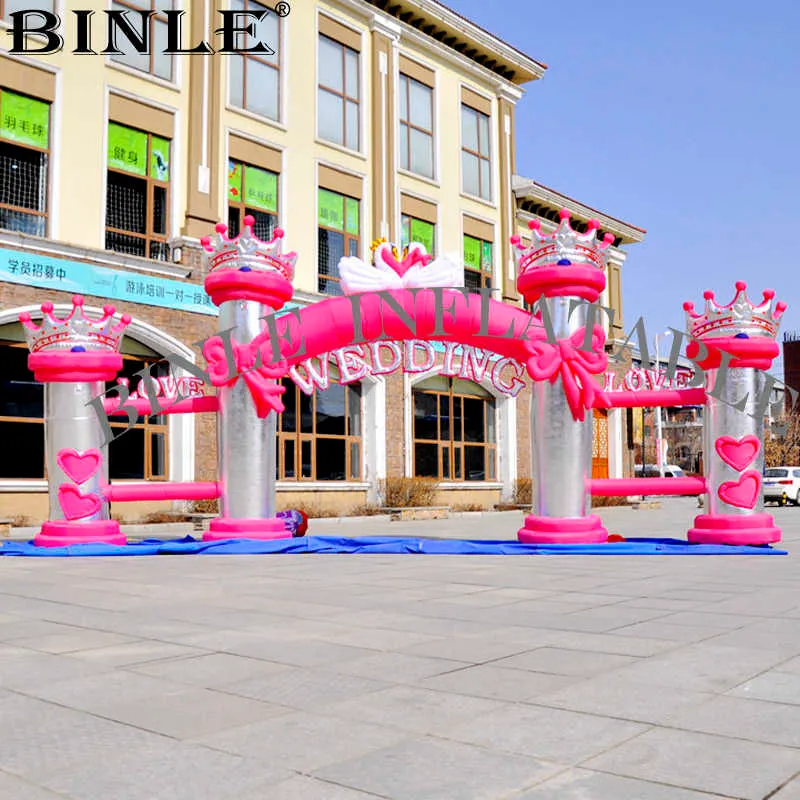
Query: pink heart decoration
[738, 453]
[76, 505]
[79, 467]
[742, 493]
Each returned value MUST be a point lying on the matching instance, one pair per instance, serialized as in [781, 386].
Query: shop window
[137, 194]
[478, 263]
[155, 61]
[338, 94]
[24, 158]
[475, 153]
[337, 236]
[454, 431]
[416, 126]
[254, 78]
[417, 230]
[254, 191]
[320, 435]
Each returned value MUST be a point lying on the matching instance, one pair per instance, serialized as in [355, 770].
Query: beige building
[370, 120]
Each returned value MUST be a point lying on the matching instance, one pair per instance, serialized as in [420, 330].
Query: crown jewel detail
[248, 252]
[565, 247]
[76, 332]
[740, 316]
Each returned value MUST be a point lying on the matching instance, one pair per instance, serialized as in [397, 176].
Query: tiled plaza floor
[338, 677]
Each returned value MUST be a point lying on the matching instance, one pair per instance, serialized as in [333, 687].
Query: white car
[782, 485]
[670, 471]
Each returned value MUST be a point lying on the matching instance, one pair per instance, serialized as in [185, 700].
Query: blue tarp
[385, 544]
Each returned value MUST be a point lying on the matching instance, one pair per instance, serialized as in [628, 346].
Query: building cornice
[524, 189]
[385, 26]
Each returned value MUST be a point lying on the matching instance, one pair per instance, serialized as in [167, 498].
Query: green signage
[351, 215]
[330, 210]
[235, 182]
[260, 189]
[159, 158]
[127, 149]
[472, 253]
[423, 232]
[24, 120]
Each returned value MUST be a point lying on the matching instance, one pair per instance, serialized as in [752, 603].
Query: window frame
[486, 276]
[446, 448]
[406, 220]
[242, 209]
[46, 152]
[343, 96]
[488, 197]
[262, 60]
[154, 18]
[413, 126]
[298, 436]
[152, 184]
[348, 237]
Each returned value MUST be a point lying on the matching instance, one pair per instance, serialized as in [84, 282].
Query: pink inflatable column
[248, 280]
[74, 357]
[733, 432]
[560, 270]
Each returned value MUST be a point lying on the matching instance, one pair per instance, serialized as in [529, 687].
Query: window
[478, 266]
[475, 154]
[416, 127]
[338, 94]
[417, 230]
[8, 7]
[21, 416]
[155, 60]
[319, 435]
[141, 452]
[24, 156]
[337, 236]
[137, 196]
[454, 430]
[252, 190]
[254, 78]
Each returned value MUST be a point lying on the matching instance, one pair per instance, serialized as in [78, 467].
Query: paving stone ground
[407, 677]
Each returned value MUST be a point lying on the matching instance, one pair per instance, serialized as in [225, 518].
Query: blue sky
[679, 117]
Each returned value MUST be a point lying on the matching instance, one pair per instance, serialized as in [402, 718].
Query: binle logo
[237, 34]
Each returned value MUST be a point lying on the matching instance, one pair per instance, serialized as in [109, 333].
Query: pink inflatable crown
[565, 247]
[740, 316]
[248, 253]
[76, 332]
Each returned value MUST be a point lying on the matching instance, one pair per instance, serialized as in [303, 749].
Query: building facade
[370, 120]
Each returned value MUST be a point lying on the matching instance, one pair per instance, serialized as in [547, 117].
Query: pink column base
[752, 529]
[222, 528]
[63, 534]
[563, 530]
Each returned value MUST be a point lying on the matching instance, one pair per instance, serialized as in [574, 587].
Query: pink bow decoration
[261, 380]
[575, 366]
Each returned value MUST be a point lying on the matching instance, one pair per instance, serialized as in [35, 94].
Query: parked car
[782, 485]
[670, 471]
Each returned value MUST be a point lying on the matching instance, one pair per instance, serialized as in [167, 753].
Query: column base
[63, 534]
[563, 530]
[225, 528]
[751, 529]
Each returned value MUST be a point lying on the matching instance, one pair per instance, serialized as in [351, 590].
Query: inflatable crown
[76, 332]
[248, 253]
[741, 317]
[565, 247]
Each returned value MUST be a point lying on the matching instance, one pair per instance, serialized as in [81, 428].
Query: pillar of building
[74, 357]
[734, 345]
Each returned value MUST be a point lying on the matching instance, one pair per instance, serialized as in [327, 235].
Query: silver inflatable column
[71, 423]
[247, 445]
[722, 419]
[561, 446]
